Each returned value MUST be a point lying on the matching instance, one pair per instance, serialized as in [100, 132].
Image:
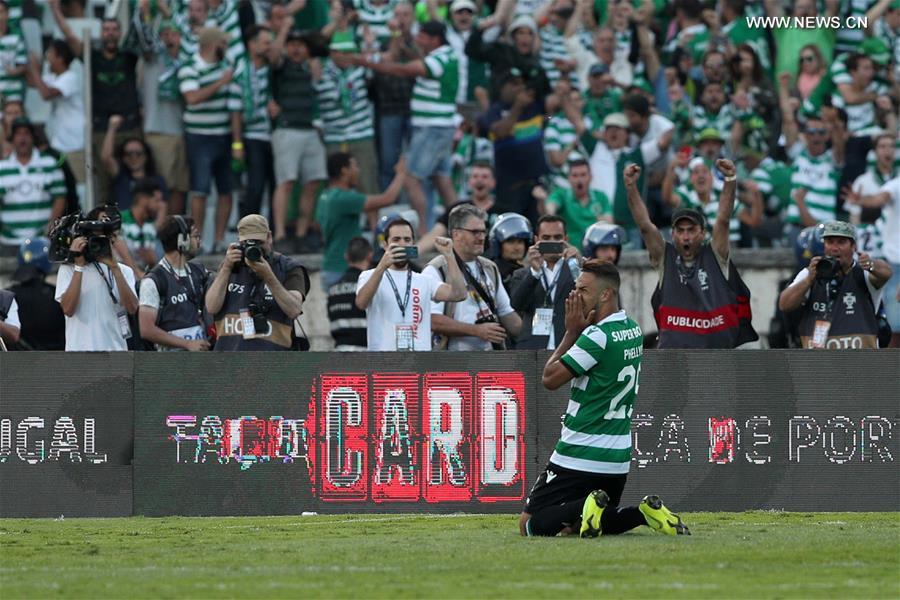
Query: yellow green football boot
[591, 512]
[659, 518]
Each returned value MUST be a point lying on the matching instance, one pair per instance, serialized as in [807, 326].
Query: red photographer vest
[698, 307]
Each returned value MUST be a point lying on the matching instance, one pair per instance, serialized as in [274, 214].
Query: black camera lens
[826, 268]
[254, 253]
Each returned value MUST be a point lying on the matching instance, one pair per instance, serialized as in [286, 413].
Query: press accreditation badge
[124, 326]
[247, 322]
[542, 323]
[820, 334]
[406, 338]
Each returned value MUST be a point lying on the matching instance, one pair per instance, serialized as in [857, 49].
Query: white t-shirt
[95, 325]
[875, 293]
[890, 235]
[383, 313]
[12, 316]
[66, 121]
[470, 309]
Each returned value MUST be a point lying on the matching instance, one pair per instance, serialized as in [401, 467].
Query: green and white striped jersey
[690, 199]
[722, 122]
[26, 196]
[596, 431]
[860, 117]
[137, 236]
[434, 95]
[849, 38]
[213, 115]
[12, 54]
[344, 106]
[376, 17]
[819, 177]
[553, 46]
[774, 181]
[15, 14]
[256, 92]
[558, 134]
[224, 17]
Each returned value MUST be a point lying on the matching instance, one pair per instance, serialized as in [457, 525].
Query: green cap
[642, 84]
[167, 25]
[342, 41]
[755, 133]
[839, 229]
[876, 49]
[710, 133]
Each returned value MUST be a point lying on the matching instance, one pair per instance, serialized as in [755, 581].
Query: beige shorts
[171, 159]
[299, 154]
[76, 162]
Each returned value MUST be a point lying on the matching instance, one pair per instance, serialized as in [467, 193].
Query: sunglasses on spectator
[466, 11]
[134, 153]
[816, 130]
[808, 58]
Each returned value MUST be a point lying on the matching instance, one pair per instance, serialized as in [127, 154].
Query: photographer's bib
[839, 314]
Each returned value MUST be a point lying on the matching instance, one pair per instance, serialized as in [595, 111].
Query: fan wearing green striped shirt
[600, 353]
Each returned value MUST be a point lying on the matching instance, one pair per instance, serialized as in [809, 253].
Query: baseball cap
[462, 5]
[253, 227]
[839, 229]
[523, 21]
[698, 161]
[434, 29]
[691, 214]
[598, 69]
[710, 133]
[616, 119]
[294, 35]
[876, 49]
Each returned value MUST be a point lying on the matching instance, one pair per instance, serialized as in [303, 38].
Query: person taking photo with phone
[398, 300]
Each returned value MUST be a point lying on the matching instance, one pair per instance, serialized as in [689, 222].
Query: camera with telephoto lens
[491, 319]
[97, 233]
[252, 250]
[827, 268]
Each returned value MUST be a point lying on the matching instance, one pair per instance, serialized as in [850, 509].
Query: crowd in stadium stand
[320, 114]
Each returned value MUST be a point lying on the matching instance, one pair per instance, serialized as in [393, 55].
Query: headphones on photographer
[184, 235]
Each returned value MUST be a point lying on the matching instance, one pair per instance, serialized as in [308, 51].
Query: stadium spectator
[520, 52]
[647, 126]
[789, 40]
[348, 116]
[14, 61]
[810, 70]
[603, 241]
[538, 291]
[398, 312]
[139, 225]
[580, 489]
[132, 162]
[62, 87]
[601, 97]
[393, 94]
[433, 106]
[838, 293]
[340, 206]
[172, 294]
[554, 56]
[602, 53]
[43, 326]
[561, 145]
[473, 76]
[10, 327]
[162, 104]
[348, 323]
[12, 110]
[870, 182]
[485, 318]
[32, 189]
[515, 124]
[887, 198]
[695, 276]
[509, 238]
[481, 184]
[580, 205]
[769, 183]
[212, 119]
[297, 147]
[96, 297]
[257, 124]
[255, 302]
[113, 85]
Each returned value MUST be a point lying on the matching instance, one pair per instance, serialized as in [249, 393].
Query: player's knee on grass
[523, 521]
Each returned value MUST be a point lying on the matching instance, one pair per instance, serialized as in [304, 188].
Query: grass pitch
[730, 555]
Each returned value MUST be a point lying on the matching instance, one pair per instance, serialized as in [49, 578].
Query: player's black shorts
[558, 485]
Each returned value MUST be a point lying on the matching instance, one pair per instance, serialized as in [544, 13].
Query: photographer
[485, 318]
[539, 290]
[838, 293]
[256, 294]
[171, 302]
[96, 293]
[397, 300]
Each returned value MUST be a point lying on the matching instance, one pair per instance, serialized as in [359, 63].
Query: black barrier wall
[258, 433]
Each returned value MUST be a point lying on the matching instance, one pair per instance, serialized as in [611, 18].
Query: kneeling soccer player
[582, 485]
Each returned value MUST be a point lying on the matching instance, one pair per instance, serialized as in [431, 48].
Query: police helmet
[603, 234]
[509, 226]
[35, 252]
[810, 242]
